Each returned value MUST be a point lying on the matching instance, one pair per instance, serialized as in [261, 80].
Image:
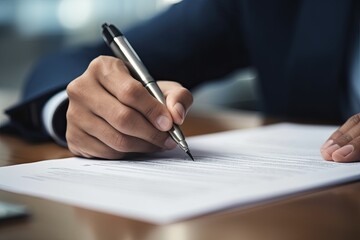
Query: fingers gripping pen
[123, 50]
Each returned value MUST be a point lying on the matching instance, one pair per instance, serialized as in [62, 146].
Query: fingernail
[180, 110]
[345, 150]
[163, 123]
[170, 143]
[327, 144]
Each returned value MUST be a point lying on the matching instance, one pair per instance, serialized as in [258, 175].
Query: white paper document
[231, 169]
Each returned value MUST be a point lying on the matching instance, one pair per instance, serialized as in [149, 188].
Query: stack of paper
[230, 169]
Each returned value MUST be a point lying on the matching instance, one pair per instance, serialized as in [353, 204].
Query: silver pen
[123, 50]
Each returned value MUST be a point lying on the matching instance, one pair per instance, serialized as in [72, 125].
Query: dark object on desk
[12, 211]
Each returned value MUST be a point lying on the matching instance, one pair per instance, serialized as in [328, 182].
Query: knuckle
[71, 88]
[120, 143]
[151, 111]
[70, 114]
[131, 91]
[119, 64]
[75, 116]
[123, 119]
[97, 63]
[345, 138]
[106, 64]
[75, 89]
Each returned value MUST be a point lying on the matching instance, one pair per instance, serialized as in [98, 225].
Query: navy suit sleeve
[58, 69]
[191, 42]
[49, 76]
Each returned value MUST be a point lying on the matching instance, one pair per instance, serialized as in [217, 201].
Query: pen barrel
[177, 135]
[154, 90]
[123, 50]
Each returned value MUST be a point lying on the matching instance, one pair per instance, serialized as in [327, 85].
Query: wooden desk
[332, 213]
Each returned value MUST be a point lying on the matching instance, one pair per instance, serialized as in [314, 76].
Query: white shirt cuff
[48, 113]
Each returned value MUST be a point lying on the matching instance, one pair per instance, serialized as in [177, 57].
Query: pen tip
[188, 153]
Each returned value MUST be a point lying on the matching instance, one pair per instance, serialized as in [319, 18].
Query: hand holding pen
[123, 50]
[111, 114]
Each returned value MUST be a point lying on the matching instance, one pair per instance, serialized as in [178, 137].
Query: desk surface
[331, 213]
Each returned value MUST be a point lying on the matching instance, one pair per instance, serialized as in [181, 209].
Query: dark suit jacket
[298, 47]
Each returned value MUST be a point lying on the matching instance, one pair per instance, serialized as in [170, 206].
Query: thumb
[178, 100]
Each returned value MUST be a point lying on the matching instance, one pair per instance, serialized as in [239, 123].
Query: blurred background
[32, 28]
